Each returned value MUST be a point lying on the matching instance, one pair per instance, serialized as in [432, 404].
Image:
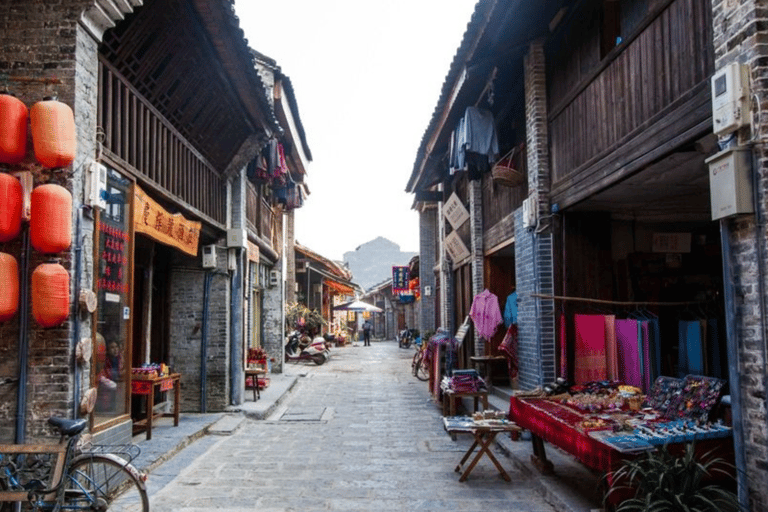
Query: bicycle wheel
[422, 371]
[104, 482]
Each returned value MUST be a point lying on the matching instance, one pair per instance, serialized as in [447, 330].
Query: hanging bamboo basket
[504, 171]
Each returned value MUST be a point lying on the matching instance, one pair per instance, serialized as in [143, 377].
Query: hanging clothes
[690, 348]
[628, 352]
[611, 349]
[474, 144]
[589, 354]
[485, 314]
[510, 310]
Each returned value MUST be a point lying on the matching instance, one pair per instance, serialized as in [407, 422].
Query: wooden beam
[427, 196]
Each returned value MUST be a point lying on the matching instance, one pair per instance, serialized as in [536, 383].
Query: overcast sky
[367, 76]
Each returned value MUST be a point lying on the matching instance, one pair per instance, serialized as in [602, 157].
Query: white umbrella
[358, 305]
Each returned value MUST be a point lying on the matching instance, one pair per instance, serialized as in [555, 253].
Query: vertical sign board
[455, 212]
[399, 279]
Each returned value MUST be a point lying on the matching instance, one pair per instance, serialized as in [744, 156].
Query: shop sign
[171, 229]
[455, 212]
[399, 279]
[672, 242]
[456, 248]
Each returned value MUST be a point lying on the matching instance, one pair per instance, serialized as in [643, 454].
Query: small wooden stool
[254, 373]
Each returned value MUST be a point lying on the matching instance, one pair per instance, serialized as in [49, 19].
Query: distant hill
[372, 262]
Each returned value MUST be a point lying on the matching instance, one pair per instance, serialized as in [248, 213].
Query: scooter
[404, 338]
[311, 349]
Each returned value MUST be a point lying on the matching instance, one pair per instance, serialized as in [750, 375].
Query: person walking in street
[367, 333]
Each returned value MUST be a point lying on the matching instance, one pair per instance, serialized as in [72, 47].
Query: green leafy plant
[663, 482]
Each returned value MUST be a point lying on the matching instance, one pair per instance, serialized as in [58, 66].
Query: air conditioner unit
[274, 278]
[96, 186]
[209, 256]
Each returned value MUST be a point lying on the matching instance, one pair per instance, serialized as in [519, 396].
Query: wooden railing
[139, 135]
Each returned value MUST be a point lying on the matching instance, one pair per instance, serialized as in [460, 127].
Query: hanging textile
[589, 358]
[690, 351]
[646, 366]
[654, 331]
[485, 314]
[510, 310]
[629, 356]
[563, 349]
[611, 350]
[508, 347]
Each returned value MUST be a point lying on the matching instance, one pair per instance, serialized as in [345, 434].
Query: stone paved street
[359, 433]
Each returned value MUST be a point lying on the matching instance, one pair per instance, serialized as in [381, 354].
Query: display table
[560, 425]
[255, 373]
[450, 396]
[145, 386]
[484, 433]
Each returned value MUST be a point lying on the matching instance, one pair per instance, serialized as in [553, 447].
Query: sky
[367, 75]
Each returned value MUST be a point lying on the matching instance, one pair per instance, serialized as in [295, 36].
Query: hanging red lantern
[50, 221]
[9, 276]
[11, 203]
[50, 294]
[53, 133]
[13, 134]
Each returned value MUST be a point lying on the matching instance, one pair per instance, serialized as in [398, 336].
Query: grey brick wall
[187, 283]
[738, 36]
[476, 249]
[273, 320]
[427, 237]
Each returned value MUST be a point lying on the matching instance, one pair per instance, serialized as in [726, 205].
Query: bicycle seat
[68, 427]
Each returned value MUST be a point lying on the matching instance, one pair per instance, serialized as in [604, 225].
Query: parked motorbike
[301, 347]
[404, 338]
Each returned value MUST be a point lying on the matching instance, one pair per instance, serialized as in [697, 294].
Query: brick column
[533, 246]
[446, 278]
[476, 248]
[427, 261]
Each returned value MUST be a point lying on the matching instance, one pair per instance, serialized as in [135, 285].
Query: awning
[341, 288]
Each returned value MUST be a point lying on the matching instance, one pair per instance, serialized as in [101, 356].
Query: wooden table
[254, 373]
[449, 400]
[484, 433]
[146, 387]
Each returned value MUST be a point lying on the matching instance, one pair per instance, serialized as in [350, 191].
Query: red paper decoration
[50, 294]
[9, 276]
[11, 203]
[53, 133]
[50, 220]
[13, 129]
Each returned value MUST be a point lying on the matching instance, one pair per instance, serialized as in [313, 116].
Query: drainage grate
[303, 414]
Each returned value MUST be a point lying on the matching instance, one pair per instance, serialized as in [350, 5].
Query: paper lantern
[11, 203]
[9, 276]
[53, 133]
[13, 129]
[50, 221]
[50, 294]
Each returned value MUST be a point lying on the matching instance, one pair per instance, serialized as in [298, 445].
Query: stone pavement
[358, 433]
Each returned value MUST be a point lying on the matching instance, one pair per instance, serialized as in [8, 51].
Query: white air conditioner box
[730, 98]
[730, 182]
[96, 186]
[209, 256]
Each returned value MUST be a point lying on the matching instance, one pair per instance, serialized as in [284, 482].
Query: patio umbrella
[357, 305]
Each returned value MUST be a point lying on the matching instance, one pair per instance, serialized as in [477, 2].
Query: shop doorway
[150, 304]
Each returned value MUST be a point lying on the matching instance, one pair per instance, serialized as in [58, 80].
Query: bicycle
[419, 366]
[64, 477]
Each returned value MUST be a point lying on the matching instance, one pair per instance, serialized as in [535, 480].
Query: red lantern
[11, 203]
[50, 221]
[50, 294]
[13, 134]
[53, 133]
[9, 276]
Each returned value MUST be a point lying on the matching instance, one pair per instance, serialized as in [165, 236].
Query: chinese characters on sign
[154, 221]
[456, 248]
[114, 260]
[399, 280]
[455, 212]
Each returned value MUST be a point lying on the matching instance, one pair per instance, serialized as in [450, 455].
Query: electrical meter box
[209, 256]
[730, 98]
[96, 185]
[730, 182]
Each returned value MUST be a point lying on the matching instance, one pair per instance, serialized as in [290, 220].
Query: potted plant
[663, 482]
